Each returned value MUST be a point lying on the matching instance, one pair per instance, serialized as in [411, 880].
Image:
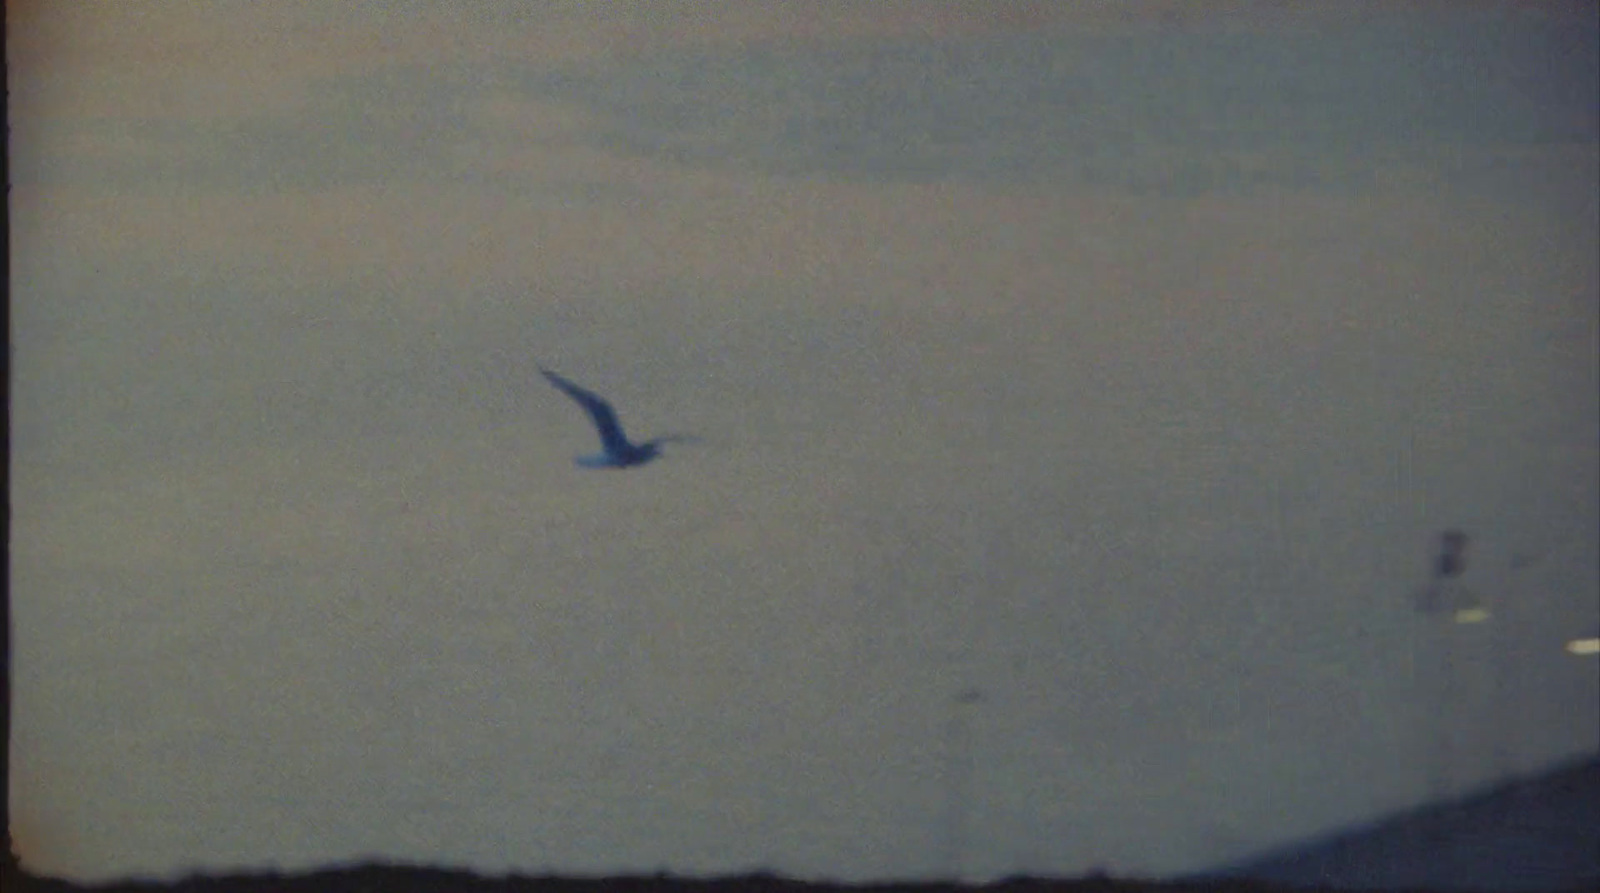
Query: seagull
[616, 451]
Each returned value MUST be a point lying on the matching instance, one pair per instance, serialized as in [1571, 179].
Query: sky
[1080, 392]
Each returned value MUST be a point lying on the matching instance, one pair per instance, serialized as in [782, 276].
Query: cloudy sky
[1080, 392]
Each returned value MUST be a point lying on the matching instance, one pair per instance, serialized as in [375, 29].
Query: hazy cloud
[1168, 111]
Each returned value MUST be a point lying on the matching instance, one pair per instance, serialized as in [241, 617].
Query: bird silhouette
[616, 451]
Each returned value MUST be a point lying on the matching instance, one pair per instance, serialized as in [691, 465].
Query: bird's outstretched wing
[612, 440]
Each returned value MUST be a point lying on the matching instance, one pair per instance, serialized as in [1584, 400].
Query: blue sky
[1120, 365]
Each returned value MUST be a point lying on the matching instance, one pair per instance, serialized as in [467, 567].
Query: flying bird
[616, 451]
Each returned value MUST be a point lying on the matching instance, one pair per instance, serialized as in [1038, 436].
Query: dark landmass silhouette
[1533, 833]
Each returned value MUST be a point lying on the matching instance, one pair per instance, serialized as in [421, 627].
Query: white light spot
[1584, 646]
[1472, 615]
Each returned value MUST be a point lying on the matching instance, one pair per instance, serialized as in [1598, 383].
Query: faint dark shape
[958, 772]
[1444, 592]
[1452, 559]
[1445, 598]
[616, 450]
